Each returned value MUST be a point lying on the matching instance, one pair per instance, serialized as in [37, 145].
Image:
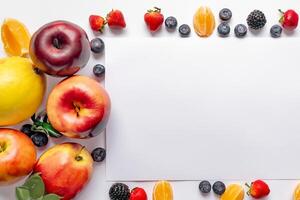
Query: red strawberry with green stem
[115, 18]
[154, 19]
[258, 189]
[289, 19]
[97, 23]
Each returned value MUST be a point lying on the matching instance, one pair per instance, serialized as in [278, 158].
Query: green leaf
[35, 185]
[51, 197]
[51, 131]
[22, 193]
[47, 128]
[37, 128]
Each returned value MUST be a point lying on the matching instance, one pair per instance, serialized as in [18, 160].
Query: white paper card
[203, 109]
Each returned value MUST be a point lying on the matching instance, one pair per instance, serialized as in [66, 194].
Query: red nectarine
[76, 105]
[17, 155]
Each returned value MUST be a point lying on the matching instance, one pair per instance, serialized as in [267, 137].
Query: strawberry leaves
[34, 189]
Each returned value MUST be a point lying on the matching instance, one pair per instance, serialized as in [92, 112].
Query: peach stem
[78, 157]
[2, 147]
[77, 108]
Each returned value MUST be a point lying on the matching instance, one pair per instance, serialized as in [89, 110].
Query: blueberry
[39, 139]
[99, 70]
[171, 22]
[276, 31]
[224, 29]
[205, 187]
[98, 154]
[97, 45]
[225, 14]
[184, 30]
[26, 128]
[219, 188]
[240, 30]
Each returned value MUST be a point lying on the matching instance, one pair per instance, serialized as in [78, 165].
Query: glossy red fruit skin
[70, 55]
[116, 19]
[259, 189]
[154, 19]
[289, 20]
[77, 105]
[138, 194]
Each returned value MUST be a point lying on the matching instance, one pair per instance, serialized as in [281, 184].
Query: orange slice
[233, 192]
[162, 191]
[15, 37]
[297, 193]
[204, 22]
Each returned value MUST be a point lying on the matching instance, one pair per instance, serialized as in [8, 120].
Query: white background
[35, 13]
[195, 105]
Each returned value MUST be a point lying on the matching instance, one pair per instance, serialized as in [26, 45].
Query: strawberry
[258, 189]
[97, 23]
[138, 194]
[115, 18]
[289, 19]
[154, 19]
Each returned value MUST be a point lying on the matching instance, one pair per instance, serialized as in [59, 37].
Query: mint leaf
[51, 197]
[51, 131]
[35, 185]
[22, 193]
[47, 128]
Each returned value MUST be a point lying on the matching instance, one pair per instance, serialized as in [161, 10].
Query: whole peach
[17, 155]
[65, 169]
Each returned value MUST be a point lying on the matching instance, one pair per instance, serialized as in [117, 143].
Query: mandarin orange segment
[15, 37]
[163, 191]
[233, 192]
[297, 193]
[204, 21]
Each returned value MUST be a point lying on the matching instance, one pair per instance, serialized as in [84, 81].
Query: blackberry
[256, 19]
[204, 187]
[119, 191]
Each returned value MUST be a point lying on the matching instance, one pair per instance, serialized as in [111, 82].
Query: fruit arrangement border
[61, 49]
